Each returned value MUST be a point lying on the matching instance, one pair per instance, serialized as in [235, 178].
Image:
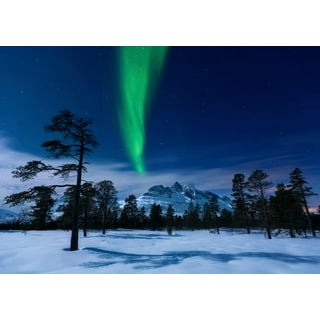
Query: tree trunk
[308, 213]
[85, 222]
[216, 223]
[245, 211]
[268, 228]
[247, 223]
[104, 221]
[74, 245]
[291, 232]
[265, 214]
[291, 226]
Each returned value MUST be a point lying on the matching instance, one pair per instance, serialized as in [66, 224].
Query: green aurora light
[140, 69]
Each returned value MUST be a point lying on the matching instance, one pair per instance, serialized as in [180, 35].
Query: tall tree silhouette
[240, 195]
[258, 183]
[106, 195]
[76, 141]
[298, 184]
[87, 203]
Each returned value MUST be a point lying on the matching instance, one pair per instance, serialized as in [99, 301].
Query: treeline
[99, 209]
[253, 208]
[285, 211]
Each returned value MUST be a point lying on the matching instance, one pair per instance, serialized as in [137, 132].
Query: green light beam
[140, 69]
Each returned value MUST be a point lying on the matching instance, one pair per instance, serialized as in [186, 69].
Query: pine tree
[156, 217]
[240, 202]
[298, 185]
[178, 222]
[67, 207]
[207, 218]
[286, 210]
[124, 219]
[214, 208]
[129, 213]
[226, 219]
[169, 219]
[191, 216]
[40, 213]
[87, 208]
[77, 140]
[106, 198]
[187, 215]
[142, 218]
[196, 216]
[258, 184]
[87, 203]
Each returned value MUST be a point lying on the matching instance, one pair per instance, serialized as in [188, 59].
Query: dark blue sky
[241, 108]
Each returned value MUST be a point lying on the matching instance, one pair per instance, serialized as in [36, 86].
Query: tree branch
[31, 169]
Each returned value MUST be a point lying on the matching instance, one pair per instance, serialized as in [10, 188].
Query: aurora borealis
[140, 68]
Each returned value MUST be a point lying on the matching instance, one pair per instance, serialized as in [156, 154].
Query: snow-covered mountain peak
[179, 196]
[177, 187]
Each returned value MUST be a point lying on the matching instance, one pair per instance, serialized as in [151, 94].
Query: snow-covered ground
[142, 251]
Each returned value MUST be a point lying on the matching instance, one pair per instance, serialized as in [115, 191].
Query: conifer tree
[258, 183]
[169, 219]
[67, 207]
[207, 218]
[76, 141]
[142, 218]
[178, 222]
[191, 216]
[286, 211]
[87, 203]
[226, 219]
[214, 208]
[298, 184]
[41, 196]
[129, 213]
[106, 198]
[156, 217]
[187, 216]
[124, 219]
[240, 202]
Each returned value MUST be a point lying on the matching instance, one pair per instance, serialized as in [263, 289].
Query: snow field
[144, 251]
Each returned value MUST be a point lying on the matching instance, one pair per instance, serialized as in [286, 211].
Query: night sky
[217, 111]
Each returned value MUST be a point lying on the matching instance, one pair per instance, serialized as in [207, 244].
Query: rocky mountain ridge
[179, 196]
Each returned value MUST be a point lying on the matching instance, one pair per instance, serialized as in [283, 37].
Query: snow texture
[142, 251]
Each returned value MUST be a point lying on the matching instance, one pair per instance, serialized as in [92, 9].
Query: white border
[155, 22]
[159, 23]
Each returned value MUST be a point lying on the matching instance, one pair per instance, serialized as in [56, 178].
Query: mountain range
[179, 196]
